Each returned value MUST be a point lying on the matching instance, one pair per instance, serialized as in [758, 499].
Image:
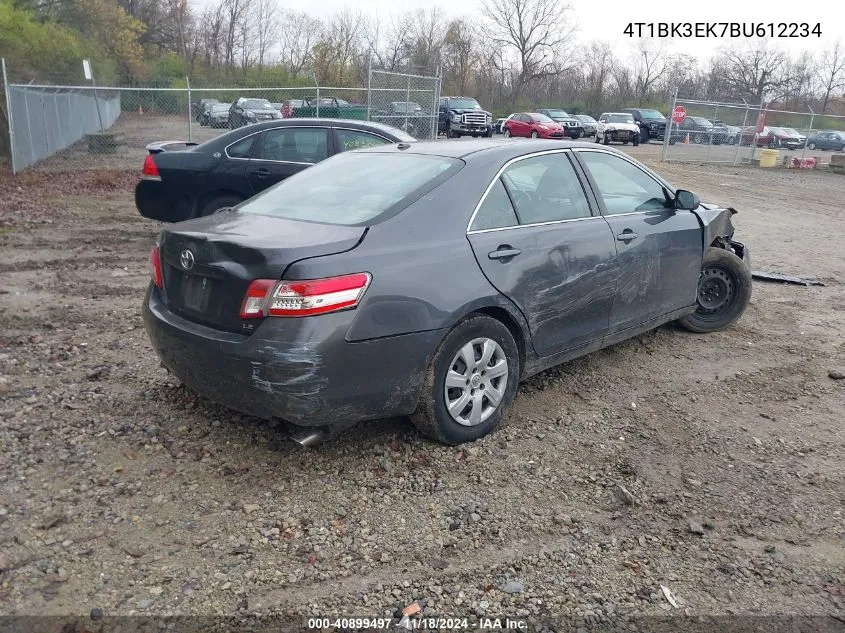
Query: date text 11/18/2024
[722, 29]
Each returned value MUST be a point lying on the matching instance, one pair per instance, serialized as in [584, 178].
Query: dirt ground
[123, 492]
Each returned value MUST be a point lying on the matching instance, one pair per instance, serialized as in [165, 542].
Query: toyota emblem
[186, 259]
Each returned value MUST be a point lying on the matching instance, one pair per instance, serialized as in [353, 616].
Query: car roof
[507, 148]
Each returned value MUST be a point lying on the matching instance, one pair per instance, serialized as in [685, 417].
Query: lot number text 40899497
[722, 29]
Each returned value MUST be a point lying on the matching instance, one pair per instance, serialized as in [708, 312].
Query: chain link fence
[62, 128]
[715, 132]
[408, 102]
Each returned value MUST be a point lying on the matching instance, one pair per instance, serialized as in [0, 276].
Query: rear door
[659, 249]
[284, 151]
[537, 241]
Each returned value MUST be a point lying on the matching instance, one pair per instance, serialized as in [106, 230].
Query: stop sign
[679, 114]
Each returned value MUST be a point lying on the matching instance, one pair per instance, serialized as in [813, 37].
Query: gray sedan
[428, 279]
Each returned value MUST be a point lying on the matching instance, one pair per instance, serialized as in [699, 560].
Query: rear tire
[216, 204]
[724, 290]
[811, 146]
[482, 335]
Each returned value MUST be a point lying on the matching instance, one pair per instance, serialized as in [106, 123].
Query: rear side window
[356, 139]
[353, 189]
[546, 189]
[496, 212]
[296, 145]
[242, 148]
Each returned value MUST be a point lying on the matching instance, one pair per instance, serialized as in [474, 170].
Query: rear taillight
[150, 171]
[155, 266]
[268, 297]
[256, 296]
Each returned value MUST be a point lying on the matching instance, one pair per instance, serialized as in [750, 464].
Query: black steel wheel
[724, 290]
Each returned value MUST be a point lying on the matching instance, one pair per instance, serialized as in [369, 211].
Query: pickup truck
[463, 116]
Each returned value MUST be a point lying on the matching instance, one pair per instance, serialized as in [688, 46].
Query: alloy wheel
[476, 381]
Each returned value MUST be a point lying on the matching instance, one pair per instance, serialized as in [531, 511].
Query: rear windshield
[353, 188]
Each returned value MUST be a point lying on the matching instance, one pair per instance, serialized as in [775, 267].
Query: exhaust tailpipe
[308, 437]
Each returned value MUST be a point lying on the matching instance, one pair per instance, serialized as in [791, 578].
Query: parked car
[498, 125]
[406, 115]
[652, 123]
[246, 111]
[618, 127]
[331, 108]
[802, 138]
[217, 115]
[463, 116]
[571, 126]
[785, 137]
[186, 180]
[827, 140]
[533, 125]
[589, 123]
[428, 279]
[198, 108]
[771, 137]
[700, 131]
[731, 131]
[291, 108]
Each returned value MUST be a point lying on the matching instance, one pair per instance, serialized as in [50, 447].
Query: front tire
[507, 133]
[811, 146]
[724, 290]
[606, 139]
[470, 383]
[637, 140]
[534, 134]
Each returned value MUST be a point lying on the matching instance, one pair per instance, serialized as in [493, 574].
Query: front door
[284, 151]
[538, 243]
[659, 249]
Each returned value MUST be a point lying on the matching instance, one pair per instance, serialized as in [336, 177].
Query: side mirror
[686, 200]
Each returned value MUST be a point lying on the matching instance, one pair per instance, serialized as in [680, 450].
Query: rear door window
[356, 139]
[496, 212]
[295, 145]
[242, 148]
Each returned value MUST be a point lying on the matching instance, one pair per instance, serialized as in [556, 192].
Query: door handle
[627, 235]
[262, 173]
[504, 251]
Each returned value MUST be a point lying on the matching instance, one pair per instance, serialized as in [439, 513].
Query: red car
[534, 125]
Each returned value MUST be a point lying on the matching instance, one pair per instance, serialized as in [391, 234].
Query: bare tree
[390, 44]
[428, 31]
[649, 65]
[754, 71]
[536, 32]
[596, 68]
[298, 34]
[831, 72]
[459, 56]
[266, 19]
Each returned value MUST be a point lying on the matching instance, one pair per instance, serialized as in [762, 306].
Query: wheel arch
[508, 316]
[208, 196]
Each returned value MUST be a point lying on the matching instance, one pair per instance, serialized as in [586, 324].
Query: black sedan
[183, 180]
[428, 279]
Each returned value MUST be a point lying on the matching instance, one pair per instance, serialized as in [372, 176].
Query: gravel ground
[710, 465]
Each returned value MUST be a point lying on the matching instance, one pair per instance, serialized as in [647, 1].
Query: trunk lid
[208, 263]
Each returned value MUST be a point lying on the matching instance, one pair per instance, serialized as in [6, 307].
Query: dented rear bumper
[301, 370]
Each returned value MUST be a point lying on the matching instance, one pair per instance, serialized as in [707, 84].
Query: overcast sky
[607, 19]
